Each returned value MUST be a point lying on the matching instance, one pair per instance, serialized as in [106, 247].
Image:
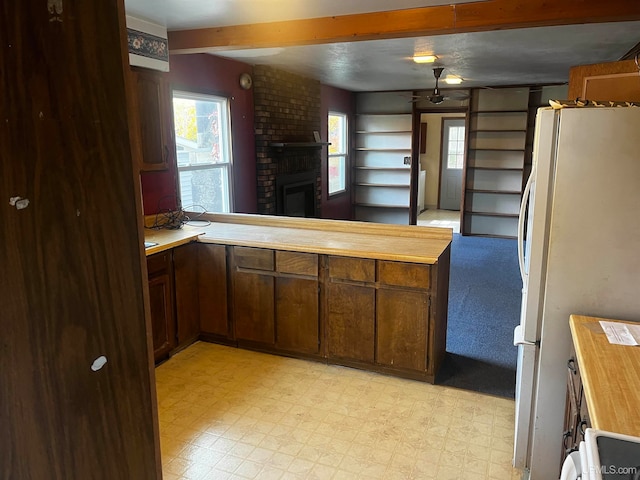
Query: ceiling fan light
[424, 58]
[452, 80]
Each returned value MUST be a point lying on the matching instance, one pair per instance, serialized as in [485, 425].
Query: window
[203, 151]
[337, 164]
[455, 148]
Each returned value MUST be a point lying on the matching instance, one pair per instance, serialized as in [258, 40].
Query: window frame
[226, 145]
[344, 155]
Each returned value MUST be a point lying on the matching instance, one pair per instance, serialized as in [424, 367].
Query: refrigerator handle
[521, 222]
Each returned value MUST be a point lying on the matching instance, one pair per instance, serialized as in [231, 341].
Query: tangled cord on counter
[174, 219]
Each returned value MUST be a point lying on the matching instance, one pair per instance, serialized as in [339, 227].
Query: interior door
[451, 163]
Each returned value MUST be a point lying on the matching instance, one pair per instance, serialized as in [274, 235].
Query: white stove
[604, 456]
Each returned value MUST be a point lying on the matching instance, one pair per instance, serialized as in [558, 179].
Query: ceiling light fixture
[424, 58]
[452, 80]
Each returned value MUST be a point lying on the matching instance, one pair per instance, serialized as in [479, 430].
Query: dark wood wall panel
[71, 280]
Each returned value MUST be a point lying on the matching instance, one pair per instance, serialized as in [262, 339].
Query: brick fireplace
[287, 112]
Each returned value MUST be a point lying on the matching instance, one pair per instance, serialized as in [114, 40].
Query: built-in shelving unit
[496, 150]
[382, 170]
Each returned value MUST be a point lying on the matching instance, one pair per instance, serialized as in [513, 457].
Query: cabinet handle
[582, 427]
[571, 365]
[565, 437]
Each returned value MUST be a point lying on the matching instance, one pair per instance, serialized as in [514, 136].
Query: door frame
[415, 155]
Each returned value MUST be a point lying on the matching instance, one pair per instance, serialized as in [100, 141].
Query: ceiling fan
[436, 97]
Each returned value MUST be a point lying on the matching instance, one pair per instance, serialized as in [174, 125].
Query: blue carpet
[484, 307]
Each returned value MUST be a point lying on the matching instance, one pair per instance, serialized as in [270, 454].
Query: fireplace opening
[296, 195]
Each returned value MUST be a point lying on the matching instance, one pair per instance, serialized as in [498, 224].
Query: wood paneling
[255, 258]
[298, 263]
[412, 22]
[354, 269]
[72, 280]
[162, 316]
[613, 81]
[403, 274]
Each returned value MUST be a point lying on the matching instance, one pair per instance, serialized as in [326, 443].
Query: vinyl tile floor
[440, 218]
[227, 413]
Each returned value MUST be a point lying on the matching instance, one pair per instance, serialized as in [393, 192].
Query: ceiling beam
[413, 22]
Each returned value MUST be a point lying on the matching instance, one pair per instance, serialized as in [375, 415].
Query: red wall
[338, 100]
[204, 73]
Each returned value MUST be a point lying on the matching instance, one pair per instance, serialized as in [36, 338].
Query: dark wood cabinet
[253, 295]
[212, 291]
[161, 295]
[297, 300]
[185, 268]
[350, 309]
[576, 418]
[153, 98]
[402, 315]
[402, 320]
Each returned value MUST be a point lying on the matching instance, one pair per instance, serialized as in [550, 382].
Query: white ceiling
[504, 57]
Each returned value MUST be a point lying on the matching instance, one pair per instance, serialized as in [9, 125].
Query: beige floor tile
[227, 413]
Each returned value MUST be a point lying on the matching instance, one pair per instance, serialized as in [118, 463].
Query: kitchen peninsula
[358, 294]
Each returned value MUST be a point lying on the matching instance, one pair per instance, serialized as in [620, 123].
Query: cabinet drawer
[403, 274]
[297, 263]
[254, 258]
[356, 269]
[159, 262]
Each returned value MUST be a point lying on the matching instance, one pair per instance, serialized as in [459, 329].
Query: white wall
[430, 161]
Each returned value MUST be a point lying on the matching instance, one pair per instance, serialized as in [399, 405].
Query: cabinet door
[154, 112]
[350, 308]
[212, 288]
[297, 315]
[162, 321]
[297, 320]
[402, 319]
[253, 294]
[185, 267]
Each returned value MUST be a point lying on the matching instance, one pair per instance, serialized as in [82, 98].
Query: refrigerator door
[591, 261]
[527, 334]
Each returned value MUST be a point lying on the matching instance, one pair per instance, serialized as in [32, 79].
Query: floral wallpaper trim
[147, 45]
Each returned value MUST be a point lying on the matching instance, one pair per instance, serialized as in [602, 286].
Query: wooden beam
[413, 22]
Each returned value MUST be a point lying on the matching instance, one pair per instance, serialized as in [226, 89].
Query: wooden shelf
[375, 205]
[391, 169]
[472, 112]
[498, 149]
[299, 144]
[496, 130]
[493, 214]
[392, 185]
[506, 169]
[384, 132]
[497, 192]
[363, 149]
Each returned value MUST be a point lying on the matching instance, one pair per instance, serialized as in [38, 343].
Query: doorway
[451, 163]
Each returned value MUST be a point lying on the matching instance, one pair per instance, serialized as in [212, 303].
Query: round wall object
[246, 81]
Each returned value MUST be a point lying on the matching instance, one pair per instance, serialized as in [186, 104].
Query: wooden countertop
[167, 239]
[334, 237]
[610, 376]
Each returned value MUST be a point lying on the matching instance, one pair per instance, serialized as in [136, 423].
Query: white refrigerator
[581, 255]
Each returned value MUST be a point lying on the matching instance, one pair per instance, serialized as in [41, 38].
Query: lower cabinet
[373, 314]
[159, 268]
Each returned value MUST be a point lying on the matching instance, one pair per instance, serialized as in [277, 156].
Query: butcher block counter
[365, 295]
[610, 376]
